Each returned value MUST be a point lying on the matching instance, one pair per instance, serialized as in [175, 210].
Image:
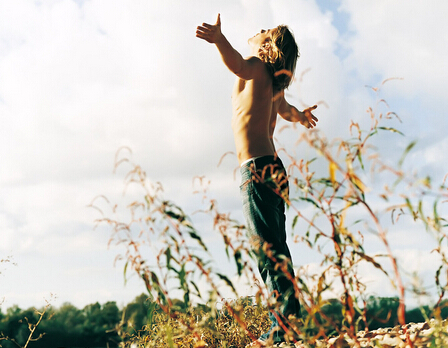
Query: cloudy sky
[81, 78]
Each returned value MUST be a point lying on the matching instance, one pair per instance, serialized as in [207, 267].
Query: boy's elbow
[285, 115]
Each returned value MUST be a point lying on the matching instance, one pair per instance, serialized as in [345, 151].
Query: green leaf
[195, 236]
[311, 160]
[174, 215]
[406, 151]
[438, 277]
[150, 313]
[436, 215]
[197, 289]
[304, 286]
[391, 130]
[310, 201]
[410, 207]
[227, 281]
[148, 201]
[182, 276]
[371, 260]
[154, 278]
[294, 221]
[325, 181]
[124, 272]
[422, 215]
[360, 160]
[238, 261]
[168, 258]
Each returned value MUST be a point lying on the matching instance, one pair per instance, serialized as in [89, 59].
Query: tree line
[105, 325]
[95, 325]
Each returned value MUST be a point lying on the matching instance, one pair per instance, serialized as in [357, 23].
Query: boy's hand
[210, 33]
[306, 118]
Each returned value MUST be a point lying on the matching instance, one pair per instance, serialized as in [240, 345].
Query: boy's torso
[254, 117]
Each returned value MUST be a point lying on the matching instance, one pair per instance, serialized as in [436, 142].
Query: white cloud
[400, 39]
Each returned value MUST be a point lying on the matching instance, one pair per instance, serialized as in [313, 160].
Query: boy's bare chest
[239, 87]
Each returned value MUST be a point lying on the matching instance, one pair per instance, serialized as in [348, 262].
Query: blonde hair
[280, 53]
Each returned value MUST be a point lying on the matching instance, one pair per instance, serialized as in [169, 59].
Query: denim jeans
[264, 189]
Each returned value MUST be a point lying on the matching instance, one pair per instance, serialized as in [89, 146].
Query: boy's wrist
[220, 39]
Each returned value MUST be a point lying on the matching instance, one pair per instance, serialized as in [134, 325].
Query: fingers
[311, 108]
[308, 124]
[310, 120]
[205, 26]
[211, 26]
[203, 33]
[204, 37]
[208, 26]
[310, 117]
[200, 32]
[209, 32]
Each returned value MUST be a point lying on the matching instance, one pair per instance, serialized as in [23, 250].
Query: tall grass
[162, 245]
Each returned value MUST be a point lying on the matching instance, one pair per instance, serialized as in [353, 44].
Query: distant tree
[92, 317]
[137, 313]
[14, 327]
[90, 327]
[69, 318]
[418, 315]
[110, 315]
[332, 309]
[20, 327]
[443, 308]
[65, 326]
[382, 312]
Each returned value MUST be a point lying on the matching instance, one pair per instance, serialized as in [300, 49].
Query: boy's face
[260, 38]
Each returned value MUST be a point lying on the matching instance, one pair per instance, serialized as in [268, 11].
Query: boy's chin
[251, 42]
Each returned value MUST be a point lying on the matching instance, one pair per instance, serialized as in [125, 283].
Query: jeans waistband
[259, 163]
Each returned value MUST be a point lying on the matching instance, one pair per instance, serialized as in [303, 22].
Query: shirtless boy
[257, 98]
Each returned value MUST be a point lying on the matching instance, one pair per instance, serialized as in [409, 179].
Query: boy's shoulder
[255, 61]
[259, 68]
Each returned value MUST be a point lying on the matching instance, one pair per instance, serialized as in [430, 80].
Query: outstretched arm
[290, 113]
[244, 68]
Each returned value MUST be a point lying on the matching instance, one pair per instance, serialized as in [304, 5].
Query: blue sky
[80, 79]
